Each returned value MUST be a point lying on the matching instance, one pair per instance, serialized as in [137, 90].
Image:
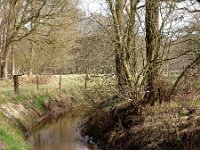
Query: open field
[79, 82]
[47, 83]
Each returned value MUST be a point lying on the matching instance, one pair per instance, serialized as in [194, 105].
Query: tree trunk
[13, 60]
[152, 49]
[30, 73]
[5, 47]
[4, 69]
[123, 74]
[124, 42]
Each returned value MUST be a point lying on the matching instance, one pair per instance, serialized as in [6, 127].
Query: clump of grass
[40, 100]
[195, 102]
[11, 136]
[11, 141]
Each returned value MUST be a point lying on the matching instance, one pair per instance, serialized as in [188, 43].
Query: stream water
[60, 134]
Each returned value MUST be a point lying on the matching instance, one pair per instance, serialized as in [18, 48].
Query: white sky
[99, 6]
[93, 6]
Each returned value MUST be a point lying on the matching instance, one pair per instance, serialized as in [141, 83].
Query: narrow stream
[59, 134]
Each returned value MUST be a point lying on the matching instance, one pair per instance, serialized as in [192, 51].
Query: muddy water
[60, 134]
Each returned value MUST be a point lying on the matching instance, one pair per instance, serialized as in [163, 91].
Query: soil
[167, 126]
[27, 116]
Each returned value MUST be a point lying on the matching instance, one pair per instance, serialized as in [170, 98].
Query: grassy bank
[11, 136]
[21, 113]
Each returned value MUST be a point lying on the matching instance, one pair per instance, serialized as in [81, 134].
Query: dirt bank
[21, 117]
[166, 126]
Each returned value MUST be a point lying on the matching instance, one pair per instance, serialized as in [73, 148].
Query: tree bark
[7, 36]
[13, 60]
[124, 43]
[152, 49]
[30, 73]
[123, 74]
[4, 69]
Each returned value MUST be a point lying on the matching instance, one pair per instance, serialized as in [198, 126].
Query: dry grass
[167, 126]
[70, 84]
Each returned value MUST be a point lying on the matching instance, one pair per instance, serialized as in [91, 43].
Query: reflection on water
[60, 134]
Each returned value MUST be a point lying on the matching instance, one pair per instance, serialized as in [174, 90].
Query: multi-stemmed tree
[157, 28]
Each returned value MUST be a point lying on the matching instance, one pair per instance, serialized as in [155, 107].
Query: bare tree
[152, 48]
[124, 39]
[19, 18]
[46, 49]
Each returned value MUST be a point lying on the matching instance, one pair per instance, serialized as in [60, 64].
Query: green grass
[69, 83]
[72, 85]
[11, 136]
[195, 102]
[39, 100]
[10, 140]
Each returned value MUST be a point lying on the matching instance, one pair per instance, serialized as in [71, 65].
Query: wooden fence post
[60, 83]
[16, 84]
[86, 80]
[37, 78]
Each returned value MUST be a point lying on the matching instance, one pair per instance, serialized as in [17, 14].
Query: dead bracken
[166, 126]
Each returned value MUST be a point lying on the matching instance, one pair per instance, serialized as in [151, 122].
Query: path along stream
[60, 134]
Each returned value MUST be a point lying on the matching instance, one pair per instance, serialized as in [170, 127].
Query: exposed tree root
[160, 127]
